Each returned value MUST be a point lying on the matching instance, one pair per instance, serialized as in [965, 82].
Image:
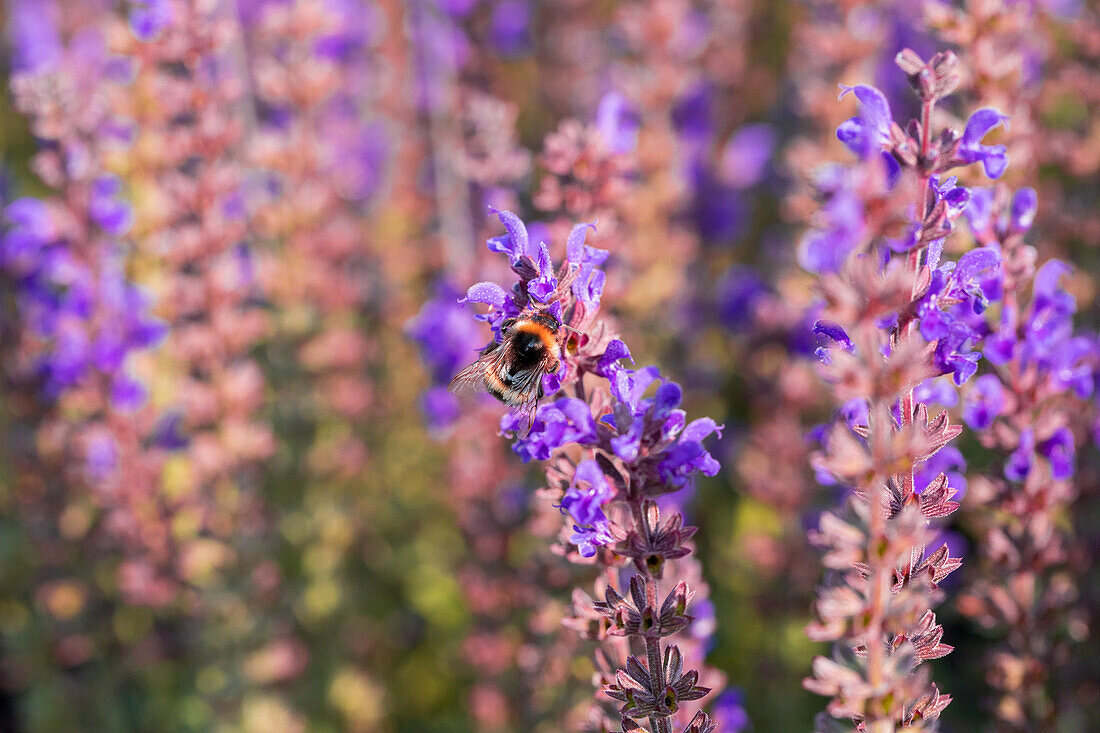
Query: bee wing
[527, 412]
[529, 383]
[472, 378]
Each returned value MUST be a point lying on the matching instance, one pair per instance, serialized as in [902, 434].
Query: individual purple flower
[617, 122]
[688, 455]
[1052, 308]
[628, 385]
[956, 198]
[514, 242]
[587, 539]
[108, 210]
[440, 407]
[1019, 462]
[840, 224]
[692, 114]
[869, 131]
[501, 304]
[729, 711]
[509, 27]
[1060, 452]
[1021, 214]
[718, 210]
[33, 25]
[169, 433]
[984, 402]
[739, 292]
[29, 230]
[936, 391]
[127, 394]
[746, 155]
[100, 454]
[542, 287]
[608, 363]
[948, 460]
[584, 501]
[951, 310]
[855, 412]
[149, 18]
[994, 158]
[834, 333]
[443, 330]
[588, 285]
[979, 212]
[359, 171]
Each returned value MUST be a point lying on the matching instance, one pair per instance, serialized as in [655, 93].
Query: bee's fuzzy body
[512, 369]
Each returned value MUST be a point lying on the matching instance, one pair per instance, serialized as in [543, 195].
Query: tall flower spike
[635, 444]
[1040, 366]
[895, 323]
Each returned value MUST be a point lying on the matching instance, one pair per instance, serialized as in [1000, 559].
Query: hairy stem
[878, 418]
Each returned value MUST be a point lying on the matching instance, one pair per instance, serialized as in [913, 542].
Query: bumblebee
[512, 369]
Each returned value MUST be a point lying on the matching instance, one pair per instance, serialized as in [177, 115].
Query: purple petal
[615, 350]
[980, 123]
[488, 293]
[976, 261]
[1024, 205]
[700, 428]
[515, 243]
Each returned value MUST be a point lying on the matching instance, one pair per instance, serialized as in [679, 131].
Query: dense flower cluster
[641, 447]
[65, 256]
[889, 446]
[87, 318]
[1041, 365]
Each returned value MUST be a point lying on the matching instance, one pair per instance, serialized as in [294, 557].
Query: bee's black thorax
[528, 349]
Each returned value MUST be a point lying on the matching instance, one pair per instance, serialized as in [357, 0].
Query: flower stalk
[612, 452]
[894, 324]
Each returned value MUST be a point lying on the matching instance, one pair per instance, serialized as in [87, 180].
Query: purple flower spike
[993, 158]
